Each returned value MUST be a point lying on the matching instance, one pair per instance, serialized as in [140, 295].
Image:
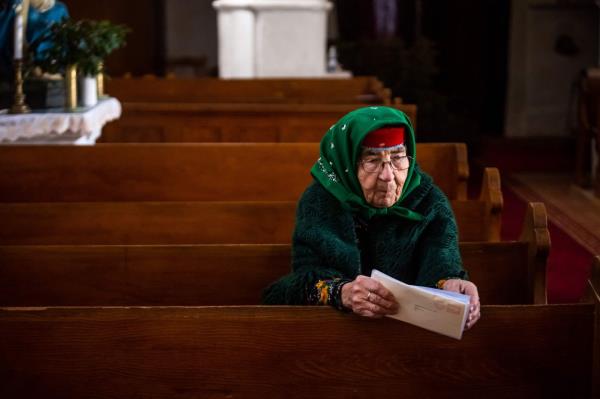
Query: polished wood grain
[535, 232]
[359, 89]
[572, 208]
[229, 274]
[198, 122]
[294, 352]
[234, 274]
[187, 172]
[491, 196]
[107, 223]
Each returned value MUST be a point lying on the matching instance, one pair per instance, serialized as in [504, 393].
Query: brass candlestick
[100, 80]
[19, 106]
[71, 87]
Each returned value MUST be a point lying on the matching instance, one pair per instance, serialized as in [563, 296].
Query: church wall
[144, 52]
[550, 44]
[191, 33]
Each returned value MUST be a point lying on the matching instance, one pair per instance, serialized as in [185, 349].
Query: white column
[236, 42]
[282, 38]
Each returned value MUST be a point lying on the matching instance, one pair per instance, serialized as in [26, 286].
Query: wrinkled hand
[368, 297]
[467, 288]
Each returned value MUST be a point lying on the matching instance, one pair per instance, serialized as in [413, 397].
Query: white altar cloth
[56, 126]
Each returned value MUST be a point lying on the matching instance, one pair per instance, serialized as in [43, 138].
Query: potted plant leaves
[101, 39]
[80, 47]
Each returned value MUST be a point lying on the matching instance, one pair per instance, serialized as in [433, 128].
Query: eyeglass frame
[381, 163]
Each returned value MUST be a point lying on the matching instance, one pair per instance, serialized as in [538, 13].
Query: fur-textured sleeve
[323, 247]
[438, 252]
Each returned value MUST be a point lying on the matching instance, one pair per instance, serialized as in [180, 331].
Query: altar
[82, 126]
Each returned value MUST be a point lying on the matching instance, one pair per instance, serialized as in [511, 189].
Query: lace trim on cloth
[84, 124]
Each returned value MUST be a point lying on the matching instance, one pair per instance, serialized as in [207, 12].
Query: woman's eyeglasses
[375, 164]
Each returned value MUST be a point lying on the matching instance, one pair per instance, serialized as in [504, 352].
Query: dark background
[449, 57]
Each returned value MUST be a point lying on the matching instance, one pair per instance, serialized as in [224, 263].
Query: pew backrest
[183, 122]
[187, 172]
[140, 223]
[258, 352]
[505, 272]
[360, 89]
[171, 275]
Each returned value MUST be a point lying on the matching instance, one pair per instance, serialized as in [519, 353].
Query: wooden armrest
[535, 232]
[386, 96]
[491, 191]
[462, 171]
[491, 195]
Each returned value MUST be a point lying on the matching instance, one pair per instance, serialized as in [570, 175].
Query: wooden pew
[195, 122]
[357, 90]
[92, 275]
[523, 351]
[182, 222]
[138, 223]
[187, 172]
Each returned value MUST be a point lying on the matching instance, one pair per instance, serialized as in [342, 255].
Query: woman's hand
[467, 288]
[368, 297]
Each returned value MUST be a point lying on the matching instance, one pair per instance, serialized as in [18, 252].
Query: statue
[40, 15]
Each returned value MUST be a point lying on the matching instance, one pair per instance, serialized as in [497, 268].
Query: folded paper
[440, 311]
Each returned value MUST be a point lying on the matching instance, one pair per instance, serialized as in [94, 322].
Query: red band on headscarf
[384, 137]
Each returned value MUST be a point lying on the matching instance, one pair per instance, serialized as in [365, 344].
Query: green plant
[85, 43]
[101, 39]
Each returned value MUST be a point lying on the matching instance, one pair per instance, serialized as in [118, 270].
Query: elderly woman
[371, 207]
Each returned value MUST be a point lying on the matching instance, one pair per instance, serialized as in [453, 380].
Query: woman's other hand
[467, 288]
[368, 297]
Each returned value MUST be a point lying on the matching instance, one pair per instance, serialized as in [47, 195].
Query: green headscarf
[341, 148]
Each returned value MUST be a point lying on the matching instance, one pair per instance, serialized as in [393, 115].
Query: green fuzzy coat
[325, 243]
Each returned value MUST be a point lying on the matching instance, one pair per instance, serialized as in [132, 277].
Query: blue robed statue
[40, 17]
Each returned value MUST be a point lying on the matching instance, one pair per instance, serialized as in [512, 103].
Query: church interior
[153, 153]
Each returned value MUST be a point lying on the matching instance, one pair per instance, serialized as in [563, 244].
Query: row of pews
[135, 270]
[239, 110]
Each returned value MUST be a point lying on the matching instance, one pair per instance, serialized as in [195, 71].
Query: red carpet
[568, 264]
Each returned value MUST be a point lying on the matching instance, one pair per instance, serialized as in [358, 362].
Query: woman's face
[383, 187]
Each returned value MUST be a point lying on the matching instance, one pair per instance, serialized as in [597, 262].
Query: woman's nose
[387, 172]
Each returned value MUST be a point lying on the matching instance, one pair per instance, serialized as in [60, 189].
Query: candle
[18, 50]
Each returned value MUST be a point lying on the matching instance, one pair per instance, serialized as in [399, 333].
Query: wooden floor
[573, 209]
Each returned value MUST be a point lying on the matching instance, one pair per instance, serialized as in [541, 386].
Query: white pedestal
[272, 38]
